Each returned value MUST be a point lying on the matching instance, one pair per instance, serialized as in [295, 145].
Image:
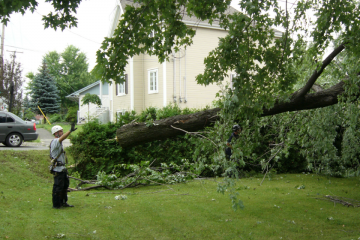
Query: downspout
[164, 84]
[185, 97]
[174, 80]
[132, 84]
[180, 76]
[112, 87]
[146, 81]
[101, 93]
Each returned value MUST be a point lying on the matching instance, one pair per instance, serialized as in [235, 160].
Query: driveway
[45, 138]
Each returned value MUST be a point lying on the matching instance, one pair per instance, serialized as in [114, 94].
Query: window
[2, 118]
[10, 119]
[122, 88]
[121, 112]
[153, 81]
[5, 118]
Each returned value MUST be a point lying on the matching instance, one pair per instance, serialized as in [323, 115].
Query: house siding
[138, 83]
[93, 90]
[152, 99]
[190, 63]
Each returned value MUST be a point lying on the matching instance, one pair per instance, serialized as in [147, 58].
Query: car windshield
[16, 117]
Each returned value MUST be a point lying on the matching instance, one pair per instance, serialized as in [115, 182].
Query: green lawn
[194, 210]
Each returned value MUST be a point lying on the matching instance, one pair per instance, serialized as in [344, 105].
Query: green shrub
[55, 118]
[127, 117]
[147, 114]
[71, 115]
[94, 148]
[169, 111]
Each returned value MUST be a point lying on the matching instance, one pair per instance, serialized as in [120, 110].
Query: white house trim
[111, 101]
[131, 79]
[156, 86]
[164, 84]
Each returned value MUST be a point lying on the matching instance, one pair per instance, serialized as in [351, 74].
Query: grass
[275, 210]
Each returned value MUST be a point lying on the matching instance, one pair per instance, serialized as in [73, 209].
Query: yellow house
[149, 83]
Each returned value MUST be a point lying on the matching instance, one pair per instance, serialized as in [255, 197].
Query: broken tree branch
[193, 133]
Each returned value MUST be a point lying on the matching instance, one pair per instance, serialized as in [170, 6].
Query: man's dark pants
[59, 193]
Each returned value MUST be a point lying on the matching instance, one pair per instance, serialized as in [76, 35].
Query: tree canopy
[70, 70]
[62, 17]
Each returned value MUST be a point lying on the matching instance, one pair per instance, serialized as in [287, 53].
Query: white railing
[83, 115]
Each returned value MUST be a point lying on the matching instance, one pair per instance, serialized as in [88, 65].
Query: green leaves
[63, 17]
[91, 98]
[7, 7]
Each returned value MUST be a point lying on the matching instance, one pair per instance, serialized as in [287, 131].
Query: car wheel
[14, 140]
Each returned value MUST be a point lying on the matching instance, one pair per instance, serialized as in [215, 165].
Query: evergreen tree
[12, 74]
[44, 92]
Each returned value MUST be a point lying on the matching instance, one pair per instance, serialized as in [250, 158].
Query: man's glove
[72, 127]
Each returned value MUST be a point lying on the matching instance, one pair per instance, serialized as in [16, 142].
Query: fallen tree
[137, 133]
[140, 176]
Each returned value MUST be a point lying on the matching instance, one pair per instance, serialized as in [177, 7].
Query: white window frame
[155, 88]
[121, 88]
[121, 112]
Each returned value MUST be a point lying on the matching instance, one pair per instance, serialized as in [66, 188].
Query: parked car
[14, 130]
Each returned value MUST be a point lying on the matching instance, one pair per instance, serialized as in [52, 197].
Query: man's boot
[64, 199]
[56, 200]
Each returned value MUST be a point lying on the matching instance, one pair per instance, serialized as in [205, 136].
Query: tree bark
[137, 133]
[319, 99]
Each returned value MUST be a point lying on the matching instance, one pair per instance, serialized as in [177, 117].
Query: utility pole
[2, 42]
[2, 58]
[12, 81]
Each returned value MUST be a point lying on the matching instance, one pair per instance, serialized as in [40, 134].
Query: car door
[3, 127]
[10, 123]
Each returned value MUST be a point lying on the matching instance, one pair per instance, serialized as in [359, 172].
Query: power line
[73, 32]
[82, 36]
[25, 49]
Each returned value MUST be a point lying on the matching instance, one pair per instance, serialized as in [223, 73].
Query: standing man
[235, 134]
[61, 179]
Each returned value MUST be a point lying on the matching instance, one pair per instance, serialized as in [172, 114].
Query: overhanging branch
[317, 74]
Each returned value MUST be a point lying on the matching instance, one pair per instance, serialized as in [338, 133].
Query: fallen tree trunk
[138, 133]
